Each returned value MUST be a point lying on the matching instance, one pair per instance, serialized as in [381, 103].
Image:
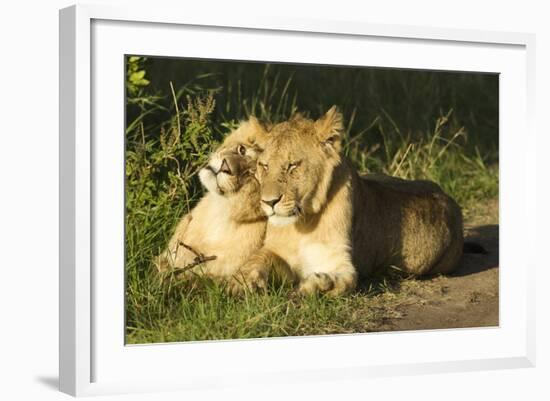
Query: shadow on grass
[487, 236]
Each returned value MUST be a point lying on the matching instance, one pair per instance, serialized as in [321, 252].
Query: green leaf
[142, 82]
[136, 76]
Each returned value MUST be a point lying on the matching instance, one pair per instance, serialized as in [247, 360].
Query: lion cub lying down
[227, 224]
[329, 225]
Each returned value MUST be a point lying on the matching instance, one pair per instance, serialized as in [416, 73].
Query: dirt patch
[467, 298]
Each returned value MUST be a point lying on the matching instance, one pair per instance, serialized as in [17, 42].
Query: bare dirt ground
[467, 298]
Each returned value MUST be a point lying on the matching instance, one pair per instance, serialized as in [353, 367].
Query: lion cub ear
[329, 129]
[259, 132]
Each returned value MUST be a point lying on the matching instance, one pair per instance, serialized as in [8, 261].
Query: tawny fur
[329, 225]
[227, 223]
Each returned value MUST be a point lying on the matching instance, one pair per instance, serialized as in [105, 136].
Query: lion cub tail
[473, 247]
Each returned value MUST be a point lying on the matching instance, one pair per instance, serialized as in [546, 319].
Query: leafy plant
[135, 75]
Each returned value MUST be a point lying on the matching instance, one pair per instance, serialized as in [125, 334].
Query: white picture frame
[93, 357]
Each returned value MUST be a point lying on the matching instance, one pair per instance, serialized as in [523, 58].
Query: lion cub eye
[292, 166]
[263, 165]
[241, 150]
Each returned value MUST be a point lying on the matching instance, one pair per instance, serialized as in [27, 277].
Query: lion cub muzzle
[225, 168]
[280, 208]
[271, 202]
[223, 173]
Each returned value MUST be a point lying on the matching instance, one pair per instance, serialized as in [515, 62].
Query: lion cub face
[235, 159]
[296, 167]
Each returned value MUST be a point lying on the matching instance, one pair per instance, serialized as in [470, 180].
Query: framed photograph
[279, 200]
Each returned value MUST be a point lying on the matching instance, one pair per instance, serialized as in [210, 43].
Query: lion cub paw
[323, 283]
[316, 283]
[242, 282]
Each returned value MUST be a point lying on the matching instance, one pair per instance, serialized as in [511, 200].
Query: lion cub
[328, 225]
[227, 224]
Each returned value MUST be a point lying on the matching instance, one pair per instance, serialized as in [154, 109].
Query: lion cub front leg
[173, 256]
[327, 270]
[254, 275]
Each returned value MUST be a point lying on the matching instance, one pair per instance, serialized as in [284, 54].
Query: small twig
[200, 258]
[188, 247]
[193, 264]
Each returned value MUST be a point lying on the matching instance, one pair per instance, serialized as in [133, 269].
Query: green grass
[177, 311]
[410, 124]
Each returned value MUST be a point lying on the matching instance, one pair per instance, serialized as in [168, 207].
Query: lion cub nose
[225, 168]
[272, 202]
